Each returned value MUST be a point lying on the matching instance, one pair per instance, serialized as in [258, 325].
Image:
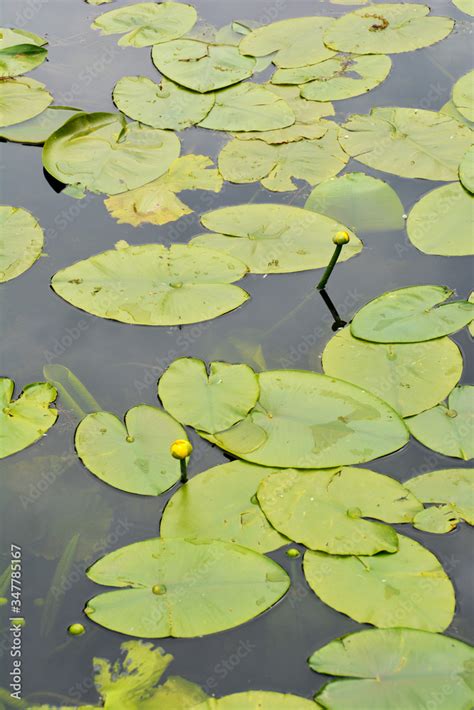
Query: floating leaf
[387, 29]
[466, 170]
[98, 2]
[440, 222]
[448, 430]
[172, 584]
[157, 201]
[21, 241]
[36, 130]
[297, 42]
[202, 66]
[19, 58]
[393, 669]
[325, 510]
[259, 700]
[22, 99]
[147, 23]
[411, 315]
[211, 402]
[471, 325]
[274, 238]
[164, 105]
[409, 142]
[450, 109]
[232, 34]
[466, 6]
[221, 503]
[405, 588]
[103, 153]
[463, 95]
[411, 377]
[26, 419]
[361, 201]
[454, 487]
[153, 285]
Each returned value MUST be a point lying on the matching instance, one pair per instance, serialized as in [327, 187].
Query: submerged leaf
[454, 487]
[26, 419]
[21, 99]
[21, 241]
[37, 130]
[466, 170]
[463, 95]
[259, 700]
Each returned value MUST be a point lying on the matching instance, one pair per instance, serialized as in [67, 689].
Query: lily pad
[26, 419]
[408, 588]
[411, 377]
[157, 201]
[450, 109]
[325, 510]
[20, 52]
[170, 586]
[202, 66]
[147, 23]
[164, 105]
[449, 430]
[37, 130]
[463, 95]
[21, 99]
[233, 33]
[259, 700]
[21, 241]
[153, 285]
[387, 29]
[412, 143]
[221, 503]
[209, 402]
[454, 487]
[393, 669]
[103, 153]
[364, 203]
[471, 325]
[466, 6]
[411, 315]
[466, 170]
[440, 222]
[297, 42]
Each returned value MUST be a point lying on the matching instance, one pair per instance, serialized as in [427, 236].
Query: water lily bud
[341, 238]
[76, 629]
[181, 449]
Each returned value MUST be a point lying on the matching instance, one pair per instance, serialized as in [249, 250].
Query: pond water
[48, 498]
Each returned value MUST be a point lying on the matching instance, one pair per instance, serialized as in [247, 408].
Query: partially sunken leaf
[259, 700]
[411, 315]
[21, 241]
[274, 238]
[26, 419]
[21, 99]
[441, 222]
[394, 669]
[157, 202]
[454, 487]
[466, 170]
[208, 402]
[297, 42]
[221, 503]
[463, 95]
[202, 66]
[153, 285]
[409, 142]
[170, 586]
[36, 130]
[164, 105]
[411, 377]
[20, 59]
[364, 203]
[466, 6]
[405, 588]
[325, 510]
[449, 430]
[147, 23]
[387, 29]
[103, 153]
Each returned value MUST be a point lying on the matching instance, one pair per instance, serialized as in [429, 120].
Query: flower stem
[184, 470]
[330, 267]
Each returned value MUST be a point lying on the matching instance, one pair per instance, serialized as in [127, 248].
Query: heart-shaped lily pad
[171, 584]
[21, 99]
[21, 241]
[26, 419]
[454, 488]
[37, 130]
[463, 95]
[259, 700]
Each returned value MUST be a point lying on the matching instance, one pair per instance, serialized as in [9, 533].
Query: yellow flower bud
[341, 238]
[181, 449]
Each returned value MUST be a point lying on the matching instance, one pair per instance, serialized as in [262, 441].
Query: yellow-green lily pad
[22, 98]
[451, 487]
[21, 241]
[463, 95]
[27, 419]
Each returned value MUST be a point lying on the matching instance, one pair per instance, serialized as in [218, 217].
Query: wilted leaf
[21, 241]
[22, 99]
[26, 419]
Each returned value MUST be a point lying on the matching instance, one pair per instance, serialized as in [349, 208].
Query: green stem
[330, 267]
[184, 470]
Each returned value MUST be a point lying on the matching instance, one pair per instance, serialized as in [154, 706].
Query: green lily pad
[170, 585]
[463, 95]
[440, 222]
[21, 241]
[364, 203]
[210, 402]
[339, 77]
[221, 503]
[157, 201]
[325, 510]
[450, 109]
[233, 33]
[202, 66]
[408, 588]
[277, 165]
[147, 23]
[37, 130]
[259, 700]
[135, 456]
[412, 143]
[274, 238]
[153, 285]
[297, 42]
[411, 315]
[466, 170]
[387, 29]
[466, 6]
[411, 377]
[393, 669]
[454, 487]
[103, 153]
[21, 99]
[164, 105]
[448, 429]
[26, 419]
[20, 51]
